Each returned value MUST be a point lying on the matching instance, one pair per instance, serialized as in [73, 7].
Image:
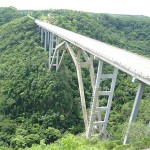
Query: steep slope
[31, 98]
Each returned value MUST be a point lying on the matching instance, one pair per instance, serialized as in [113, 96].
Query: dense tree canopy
[30, 94]
[8, 14]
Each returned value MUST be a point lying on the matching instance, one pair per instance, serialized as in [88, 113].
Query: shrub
[52, 135]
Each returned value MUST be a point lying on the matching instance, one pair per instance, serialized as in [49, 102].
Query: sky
[129, 7]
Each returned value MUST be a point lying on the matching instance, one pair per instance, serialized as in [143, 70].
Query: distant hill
[8, 14]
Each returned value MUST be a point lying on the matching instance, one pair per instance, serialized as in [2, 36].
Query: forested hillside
[8, 14]
[38, 105]
[32, 100]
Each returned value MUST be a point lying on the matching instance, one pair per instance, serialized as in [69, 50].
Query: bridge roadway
[133, 64]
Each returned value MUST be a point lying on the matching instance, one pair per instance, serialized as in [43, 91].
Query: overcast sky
[132, 7]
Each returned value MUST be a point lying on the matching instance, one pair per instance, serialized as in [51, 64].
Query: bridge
[84, 51]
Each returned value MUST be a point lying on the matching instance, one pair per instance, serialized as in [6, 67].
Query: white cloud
[135, 7]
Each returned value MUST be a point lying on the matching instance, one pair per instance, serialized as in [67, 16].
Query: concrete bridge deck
[133, 64]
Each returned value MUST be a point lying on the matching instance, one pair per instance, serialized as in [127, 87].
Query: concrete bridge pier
[135, 108]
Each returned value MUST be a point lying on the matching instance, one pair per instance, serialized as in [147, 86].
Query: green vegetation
[8, 14]
[78, 143]
[32, 100]
[71, 142]
[37, 107]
